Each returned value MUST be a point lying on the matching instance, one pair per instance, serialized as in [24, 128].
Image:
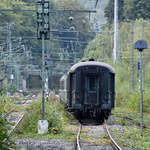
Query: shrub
[52, 115]
[132, 101]
[5, 142]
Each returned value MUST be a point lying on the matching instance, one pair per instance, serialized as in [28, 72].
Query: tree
[109, 11]
[73, 21]
[137, 9]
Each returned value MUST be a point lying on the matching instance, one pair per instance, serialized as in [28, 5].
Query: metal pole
[10, 49]
[141, 95]
[142, 36]
[103, 51]
[10, 55]
[43, 80]
[115, 29]
[17, 78]
[46, 85]
[121, 47]
[103, 56]
[143, 25]
[132, 55]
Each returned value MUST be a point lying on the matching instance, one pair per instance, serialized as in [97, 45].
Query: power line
[51, 11]
[96, 3]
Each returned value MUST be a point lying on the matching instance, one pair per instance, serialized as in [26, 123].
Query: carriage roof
[91, 63]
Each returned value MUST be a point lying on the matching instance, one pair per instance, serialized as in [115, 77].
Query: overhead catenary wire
[96, 3]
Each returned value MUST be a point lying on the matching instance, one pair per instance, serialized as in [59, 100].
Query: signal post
[141, 45]
[43, 33]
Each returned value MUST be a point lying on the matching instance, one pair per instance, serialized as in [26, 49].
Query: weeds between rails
[113, 142]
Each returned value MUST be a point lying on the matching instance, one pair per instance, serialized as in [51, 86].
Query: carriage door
[91, 92]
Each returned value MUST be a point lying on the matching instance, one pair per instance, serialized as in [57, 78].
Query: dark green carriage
[91, 90]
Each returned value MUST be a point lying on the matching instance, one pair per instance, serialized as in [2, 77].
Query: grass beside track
[130, 136]
[56, 116]
[63, 126]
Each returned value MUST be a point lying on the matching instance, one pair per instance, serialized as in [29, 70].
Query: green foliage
[134, 101]
[128, 10]
[1, 92]
[109, 11]
[5, 142]
[136, 9]
[100, 47]
[131, 136]
[131, 128]
[125, 95]
[24, 25]
[54, 114]
[8, 103]
[62, 22]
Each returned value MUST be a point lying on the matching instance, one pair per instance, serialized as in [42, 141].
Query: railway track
[17, 121]
[114, 145]
[14, 117]
[77, 144]
[113, 142]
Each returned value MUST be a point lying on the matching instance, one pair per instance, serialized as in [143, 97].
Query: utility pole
[120, 48]
[43, 79]
[115, 30]
[17, 70]
[43, 31]
[141, 45]
[132, 57]
[142, 37]
[9, 48]
[103, 50]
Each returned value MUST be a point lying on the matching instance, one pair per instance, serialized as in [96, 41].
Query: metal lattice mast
[9, 48]
[43, 31]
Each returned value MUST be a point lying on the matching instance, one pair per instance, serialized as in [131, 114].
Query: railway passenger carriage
[90, 91]
[63, 88]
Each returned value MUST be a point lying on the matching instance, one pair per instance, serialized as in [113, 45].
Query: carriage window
[92, 83]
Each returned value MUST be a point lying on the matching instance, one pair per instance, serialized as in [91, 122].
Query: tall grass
[54, 114]
[5, 142]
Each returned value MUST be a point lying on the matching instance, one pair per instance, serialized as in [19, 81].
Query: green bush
[5, 142]
[52, 114]
[7, 103]
[131, 100]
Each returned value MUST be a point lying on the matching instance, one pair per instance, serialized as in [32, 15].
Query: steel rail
[78, 139]
[16, 124]
[115, 145]
[12, 110]
[9, 132]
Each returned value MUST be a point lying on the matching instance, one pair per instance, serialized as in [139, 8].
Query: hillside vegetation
[127, 108]
[101, 49]
[134, 24]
